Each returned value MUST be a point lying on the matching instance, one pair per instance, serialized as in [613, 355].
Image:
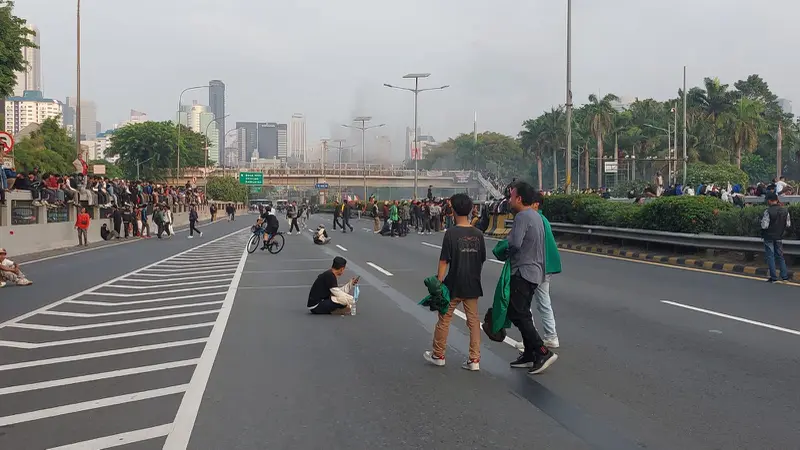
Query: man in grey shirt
[526, 252]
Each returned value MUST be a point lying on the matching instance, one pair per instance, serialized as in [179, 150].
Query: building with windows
[88, 118]
[30, 108]
[30, 79]
[283, 142]
[216, 102]
[297, 137]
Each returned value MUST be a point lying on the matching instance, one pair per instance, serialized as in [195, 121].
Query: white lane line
[34, 326]
[30, 345]
[379, 269]
[191, 283]
[430, 245]
[103, 354]
[204, 265]
[189, 276]
[139, 294]
[341, 248]
[507, 340]
[98, 286]
[221, 277]
[139, 302]
[496, 261]
[736, 318]
[92, 404]
[187, 270]
[178, 438]
[127, 311]
[97, 376]
[120, 439]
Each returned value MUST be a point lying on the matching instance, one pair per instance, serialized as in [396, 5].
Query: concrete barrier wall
[43, 236]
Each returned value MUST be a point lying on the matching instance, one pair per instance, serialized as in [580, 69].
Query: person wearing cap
[321, 236]
[11, 271]
[773, 225]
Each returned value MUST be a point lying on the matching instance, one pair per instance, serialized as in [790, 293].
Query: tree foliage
[494, 151]
[152, 146]
[226, 189]
[49, 148]
[14, 36]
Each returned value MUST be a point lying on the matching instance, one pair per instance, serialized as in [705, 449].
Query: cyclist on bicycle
[271, 224]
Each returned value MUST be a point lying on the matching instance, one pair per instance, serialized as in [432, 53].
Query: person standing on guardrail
[773, 225]
[526, 253]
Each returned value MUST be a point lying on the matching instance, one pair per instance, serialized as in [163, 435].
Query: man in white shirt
[11, 271]
[780, 185]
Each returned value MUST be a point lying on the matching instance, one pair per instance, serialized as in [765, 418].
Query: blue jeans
[773, 250]
[545, 308]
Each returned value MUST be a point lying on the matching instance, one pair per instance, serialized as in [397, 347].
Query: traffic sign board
[251, 178]
[610, 167]
[6, 142]
[322, 186]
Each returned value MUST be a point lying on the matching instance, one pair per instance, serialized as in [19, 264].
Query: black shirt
[321, 289]
[465, 250]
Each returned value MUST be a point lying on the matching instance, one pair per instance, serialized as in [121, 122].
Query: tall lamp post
[363, 127]
[205, 162]
[180, 101]
[416, 90]
[78, 100]
[339, 147]
[569, 99]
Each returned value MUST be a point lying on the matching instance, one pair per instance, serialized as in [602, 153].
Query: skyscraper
[88, 118]
[30, 108]
[283, 144]
[216, 101]
[259, 138]
[297, 138]
[30, 79]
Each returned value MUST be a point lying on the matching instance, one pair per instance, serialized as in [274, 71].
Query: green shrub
[621, 190]
[794, 215]
[741, 221]
[612, 214]
[684, 214]
[719, 174]
[558, 208]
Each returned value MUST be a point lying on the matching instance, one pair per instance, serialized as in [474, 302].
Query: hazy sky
[328, 59]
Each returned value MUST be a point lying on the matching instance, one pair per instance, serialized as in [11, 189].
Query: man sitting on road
[319, 298]
[321, 236]
[11, 271]
[272, 225]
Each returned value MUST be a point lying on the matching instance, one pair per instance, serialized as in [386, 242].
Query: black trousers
[294, 225]
[519, 313]
[346, 222]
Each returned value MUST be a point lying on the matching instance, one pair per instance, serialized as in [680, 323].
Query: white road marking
[30, 345]
[379, 269]
[97, 376]
[196, 265]
[34, 326]
[92, 404]
[341, 248]
[178, 438]
[139, 294]
[736, 318]
[496, 261]
[119, 439]
[139, 302]
[198, 277]
[221, 272]
[127, 311]
[507, 340]
[191, 283]
[187, 270]
[103, 354]
[430, 245]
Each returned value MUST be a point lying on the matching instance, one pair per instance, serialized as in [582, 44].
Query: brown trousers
[473, 323]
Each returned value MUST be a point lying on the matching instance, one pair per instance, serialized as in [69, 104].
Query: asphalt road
[652, 357]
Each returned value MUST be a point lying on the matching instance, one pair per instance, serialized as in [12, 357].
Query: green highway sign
[251, 178]
[255, 189]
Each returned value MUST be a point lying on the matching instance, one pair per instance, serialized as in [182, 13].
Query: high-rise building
[216, 101]
[283, 142]
[257, 139]
[200, 120]
[32, 107]
[98, 127]
[88, 119]
[297, 138]
[30, 79]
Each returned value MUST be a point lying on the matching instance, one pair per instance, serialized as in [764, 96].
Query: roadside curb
[678, 261]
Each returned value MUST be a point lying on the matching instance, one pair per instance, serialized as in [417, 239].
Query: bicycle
[274, 246]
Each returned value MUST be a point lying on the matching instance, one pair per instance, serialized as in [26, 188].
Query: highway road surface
[195, 344]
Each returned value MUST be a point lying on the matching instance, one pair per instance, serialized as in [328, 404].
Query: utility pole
[569, 100]
[78, 99]
[685, 153]
[363, 128]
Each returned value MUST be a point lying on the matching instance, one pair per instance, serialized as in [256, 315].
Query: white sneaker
[551, 343]
[190, 237]
[520, 346]
[428, 355]
[471, 365]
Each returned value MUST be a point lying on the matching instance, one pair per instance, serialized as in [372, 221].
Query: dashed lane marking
[341, 248]
[735, 318]
[380, 269]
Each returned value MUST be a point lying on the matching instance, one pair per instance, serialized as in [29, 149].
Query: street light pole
[569, 98]
[78, 93]
[205, 162]
[685, 154]
[339, 147]
[180, 101]
[364, 128]
[415, 151]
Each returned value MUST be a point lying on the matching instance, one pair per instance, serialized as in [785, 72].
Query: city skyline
[30, 79]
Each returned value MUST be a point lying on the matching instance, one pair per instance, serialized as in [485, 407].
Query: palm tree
[552, 136]
[599, 118]
[531, 145]
[746, 122]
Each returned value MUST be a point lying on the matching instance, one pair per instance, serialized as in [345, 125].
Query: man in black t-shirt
[319, 298]
[460, 265]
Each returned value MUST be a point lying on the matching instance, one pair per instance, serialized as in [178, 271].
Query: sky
[504, 60]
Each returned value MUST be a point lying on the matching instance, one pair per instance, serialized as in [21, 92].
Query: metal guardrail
[731, 243]
[748, 199]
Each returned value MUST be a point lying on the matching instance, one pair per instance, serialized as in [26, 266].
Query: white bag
[342, 295]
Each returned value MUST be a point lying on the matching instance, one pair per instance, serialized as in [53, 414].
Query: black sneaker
[542, 363]
[523, 362]
[772, 280]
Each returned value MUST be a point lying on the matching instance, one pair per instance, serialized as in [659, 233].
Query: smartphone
[356, 280]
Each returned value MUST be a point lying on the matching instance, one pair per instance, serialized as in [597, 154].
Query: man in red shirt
[82, 225]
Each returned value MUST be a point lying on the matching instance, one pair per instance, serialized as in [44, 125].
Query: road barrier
[748, 199]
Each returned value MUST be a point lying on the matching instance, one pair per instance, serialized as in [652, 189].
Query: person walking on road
[145, 232]
[291, 214]
[193, 217]
[773, 225]
[460, 265]
[337, 208]
[346, 211]
[376, 219]
[82, 225]
[526, 252]
[213, 211]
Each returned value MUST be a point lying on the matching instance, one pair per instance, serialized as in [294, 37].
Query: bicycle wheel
[276, 245]
[252, 244]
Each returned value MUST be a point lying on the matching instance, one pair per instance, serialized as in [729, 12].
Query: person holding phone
[319, 298]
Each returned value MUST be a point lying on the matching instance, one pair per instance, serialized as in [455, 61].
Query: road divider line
[222, 277]
[127, 311]
[34, 326]
[92, 404]
[139, 302]
[119, 439]
[221, 272]
[191, 283]
[139, 294]
[30, 345]
[103, 354]
[196, 264]
[97, 376]
[341, 248]
[428, 244]
[731, 317]
[380, 269]
[496, 261]
[507, 340]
